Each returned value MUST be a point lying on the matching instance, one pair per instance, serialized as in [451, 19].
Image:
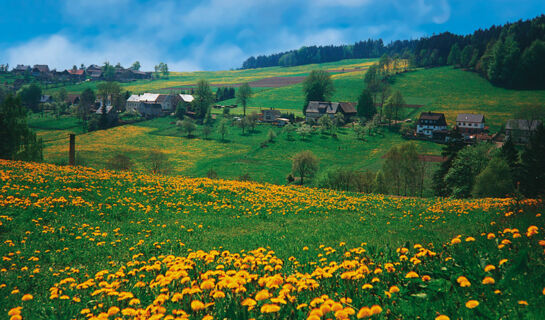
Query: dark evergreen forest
[510, 56]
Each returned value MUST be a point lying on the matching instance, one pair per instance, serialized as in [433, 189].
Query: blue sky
[216, 34]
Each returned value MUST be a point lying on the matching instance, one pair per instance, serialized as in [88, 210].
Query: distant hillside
[511, 55]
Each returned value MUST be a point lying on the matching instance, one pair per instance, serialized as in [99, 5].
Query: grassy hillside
[81, 243]
[238, 155]
[454, 91]
[443, 89]
[225, 78]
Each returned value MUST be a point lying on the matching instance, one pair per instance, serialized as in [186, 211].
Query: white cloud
[59, 52]
[217, 34]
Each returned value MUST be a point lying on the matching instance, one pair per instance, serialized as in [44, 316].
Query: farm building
[431, 123]
[520, 130]
[470, 124]
[317, 109]
[137, 102]
[270, 115]
[21, 68]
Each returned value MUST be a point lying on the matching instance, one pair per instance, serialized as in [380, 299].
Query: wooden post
[72, 150]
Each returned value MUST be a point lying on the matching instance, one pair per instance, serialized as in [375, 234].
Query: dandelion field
[80, 243]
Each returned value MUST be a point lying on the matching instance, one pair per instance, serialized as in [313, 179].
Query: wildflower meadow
[80, 243]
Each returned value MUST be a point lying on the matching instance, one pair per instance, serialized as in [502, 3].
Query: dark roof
[96, 74]
[22, 67]
[348, 107]
[431, 116]
[470, 117]
[42, 67]
[522, 124]
[72, 98]
[277, 112]
[330, 107]
[162, 98]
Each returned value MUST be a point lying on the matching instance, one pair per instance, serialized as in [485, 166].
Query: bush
[244, 177]
[120, 162]
[158, 162]
[305, 164]
[211, 174]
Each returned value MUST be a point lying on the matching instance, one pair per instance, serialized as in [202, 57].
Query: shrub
[212, 174]
[120, 162]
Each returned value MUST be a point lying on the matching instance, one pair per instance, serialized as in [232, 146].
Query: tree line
[511, 55]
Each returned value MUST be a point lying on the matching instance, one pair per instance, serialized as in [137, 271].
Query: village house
[317, 109]
[46, 98]
[431, 123]
[73, 99]
[21, 69]
[186, 100]
[94, 71]
[470, 124]
[110, 112]
[520, 130]
[141, 103]
[77, 74]
[270, 115]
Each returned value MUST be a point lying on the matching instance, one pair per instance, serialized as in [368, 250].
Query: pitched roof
[330, 107]
[45, 98]
[42, 67]
[431, 116]
[348, 107]
[78, 72]
[187, 97]
[162, 98]
[522, 124]
[134, 98]
[21, 67]
[470, 117]
[108, 109]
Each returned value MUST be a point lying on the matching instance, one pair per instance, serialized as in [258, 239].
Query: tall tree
[366, 106]
[108, 72]
[449, 152]
[317, 86]
[109, 92]
[30, 96]
[223, 129]
[87, 100]
[455, 55]
[136, 65]
[305, 165]
[244, 95]
[397, 103]
[532, 181]
[469, 162]
[204, 97]
[495, 180]
[373, 81]
[18, 141]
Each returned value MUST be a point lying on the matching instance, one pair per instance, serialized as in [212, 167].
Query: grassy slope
[240, 154]
[225, 77]
[61, 222]
[454, 91]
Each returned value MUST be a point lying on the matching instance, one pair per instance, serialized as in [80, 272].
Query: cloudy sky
[220, 34]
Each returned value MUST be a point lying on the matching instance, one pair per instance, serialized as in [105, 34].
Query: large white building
[468, 123]
[135, 102]
[430, 123]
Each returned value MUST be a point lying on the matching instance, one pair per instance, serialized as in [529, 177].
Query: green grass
[239, 155]
[454, 91]
[61, 226]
